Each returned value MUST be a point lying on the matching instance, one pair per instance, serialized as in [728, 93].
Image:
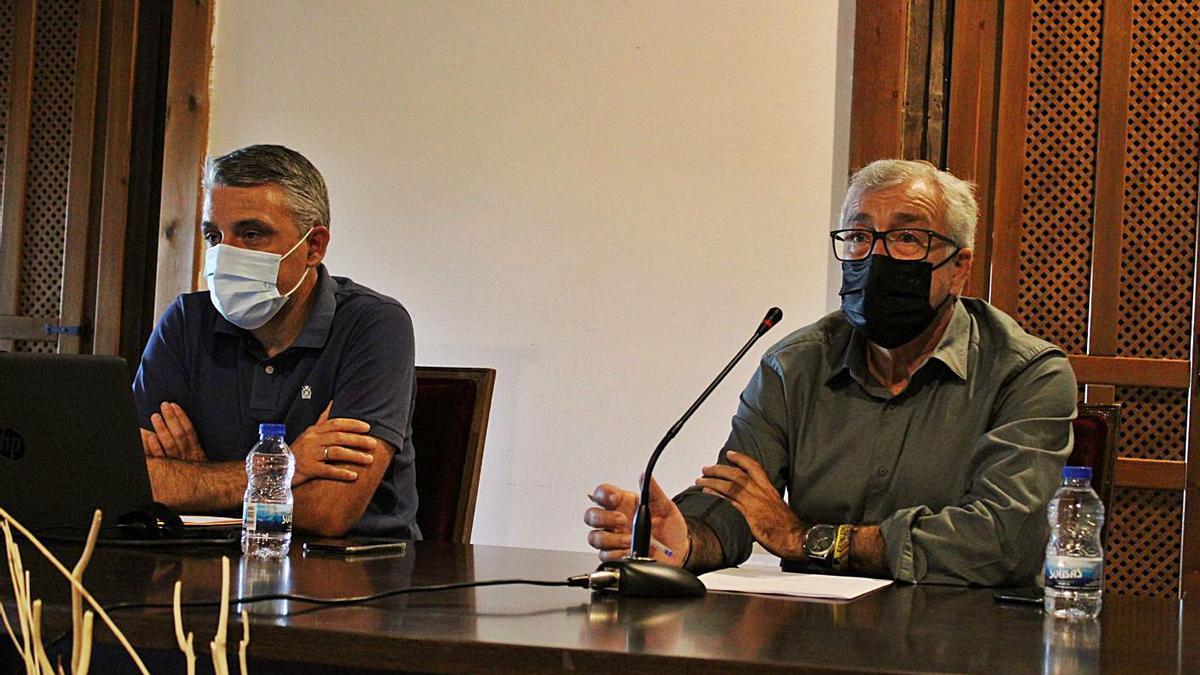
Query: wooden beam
[936, 81]
[917, 66]
[79, 185]
[1104, 295]
[25, 327]
[880, 38]
[1158, 474]
[1010, 155]
[184, 146]
[122, 27]
[16, 160]
[1132, 372]
[970, 119]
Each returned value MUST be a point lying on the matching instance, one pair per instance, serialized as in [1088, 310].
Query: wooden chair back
[1096, 433]
[449, 427]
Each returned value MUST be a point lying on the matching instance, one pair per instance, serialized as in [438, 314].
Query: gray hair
[254, 165]
[958, 195]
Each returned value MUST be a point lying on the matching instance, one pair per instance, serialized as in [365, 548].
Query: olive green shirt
[957, 469]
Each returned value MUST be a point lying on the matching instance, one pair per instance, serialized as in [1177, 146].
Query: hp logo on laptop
[12, 446]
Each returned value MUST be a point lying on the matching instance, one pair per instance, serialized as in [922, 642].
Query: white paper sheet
[209, 521]
[772, 581]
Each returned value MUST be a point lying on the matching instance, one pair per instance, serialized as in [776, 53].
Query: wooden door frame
[184, 148]
[16, 172]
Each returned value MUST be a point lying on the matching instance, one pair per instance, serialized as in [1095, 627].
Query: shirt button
[882, 471]
[270, 370]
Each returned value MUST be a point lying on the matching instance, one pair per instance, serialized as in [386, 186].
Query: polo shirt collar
[951, 350]
[316, 329]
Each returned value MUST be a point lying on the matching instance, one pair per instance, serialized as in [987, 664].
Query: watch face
[819, 539]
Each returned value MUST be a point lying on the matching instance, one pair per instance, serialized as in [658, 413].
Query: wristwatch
[828, 546]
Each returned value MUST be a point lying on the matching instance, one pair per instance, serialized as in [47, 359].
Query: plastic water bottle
[1070, 647]
[1074, 556]
[267, 506]
[263, 576]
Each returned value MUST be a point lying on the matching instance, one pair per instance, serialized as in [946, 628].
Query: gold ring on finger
[325, 455]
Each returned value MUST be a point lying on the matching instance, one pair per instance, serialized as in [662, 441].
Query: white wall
[599, 200]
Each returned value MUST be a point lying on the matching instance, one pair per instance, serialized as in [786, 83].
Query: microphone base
[646, 578]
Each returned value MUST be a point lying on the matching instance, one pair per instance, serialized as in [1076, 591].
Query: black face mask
[888, 299]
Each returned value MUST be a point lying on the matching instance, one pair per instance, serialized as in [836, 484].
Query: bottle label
[1068, 571]
[267, 518]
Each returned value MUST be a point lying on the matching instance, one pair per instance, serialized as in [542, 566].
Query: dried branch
[185, 644]
[12, 573]
[5, 515]
[85, 650]
[220, 662]
[29, 614]
[20, 582]
[35, 626]
[244, 643]
[76, 599]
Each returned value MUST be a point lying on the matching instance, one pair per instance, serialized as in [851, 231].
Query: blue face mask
[243, 284]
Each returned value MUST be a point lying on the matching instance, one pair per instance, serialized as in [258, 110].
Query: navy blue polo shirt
[356, 349]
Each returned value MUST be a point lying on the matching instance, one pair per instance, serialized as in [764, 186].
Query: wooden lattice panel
[1161, 163]
[1153, 423]
[51, 112]
[1059, 179]
[1143, 542]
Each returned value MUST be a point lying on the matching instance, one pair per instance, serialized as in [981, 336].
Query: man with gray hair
[276, 338]
[918, 434]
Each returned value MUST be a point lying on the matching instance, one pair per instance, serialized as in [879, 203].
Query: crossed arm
[338, 467]
[746, 486]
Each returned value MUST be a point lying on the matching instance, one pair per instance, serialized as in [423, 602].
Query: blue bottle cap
[271, 430]
[1077, 472]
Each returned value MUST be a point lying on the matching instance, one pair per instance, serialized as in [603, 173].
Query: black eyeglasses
[903, 244]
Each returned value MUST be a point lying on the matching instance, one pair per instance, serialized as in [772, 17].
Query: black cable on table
[351, 600]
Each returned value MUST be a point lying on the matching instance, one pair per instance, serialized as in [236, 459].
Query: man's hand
[613, 520]
[746, 486]
[173, 436]
[326, 448]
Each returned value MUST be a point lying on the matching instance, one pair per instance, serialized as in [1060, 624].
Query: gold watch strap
[841, 547]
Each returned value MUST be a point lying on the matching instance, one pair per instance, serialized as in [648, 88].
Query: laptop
[69, 441]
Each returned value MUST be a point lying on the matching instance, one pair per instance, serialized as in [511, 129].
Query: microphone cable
[346, 600]
[576, 581]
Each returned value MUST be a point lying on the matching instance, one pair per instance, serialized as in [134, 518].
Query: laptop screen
[69, 440]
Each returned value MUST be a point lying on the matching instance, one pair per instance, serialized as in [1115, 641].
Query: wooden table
[524, 629]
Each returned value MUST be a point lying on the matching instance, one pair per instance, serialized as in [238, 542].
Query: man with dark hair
[918, 434]
[277, 339]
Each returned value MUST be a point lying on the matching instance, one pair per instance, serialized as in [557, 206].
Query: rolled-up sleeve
[376, 381]
[996, 533]
[757, 431]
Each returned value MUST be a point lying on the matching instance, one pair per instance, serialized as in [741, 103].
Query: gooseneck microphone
[641, 519]
[633, 575]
